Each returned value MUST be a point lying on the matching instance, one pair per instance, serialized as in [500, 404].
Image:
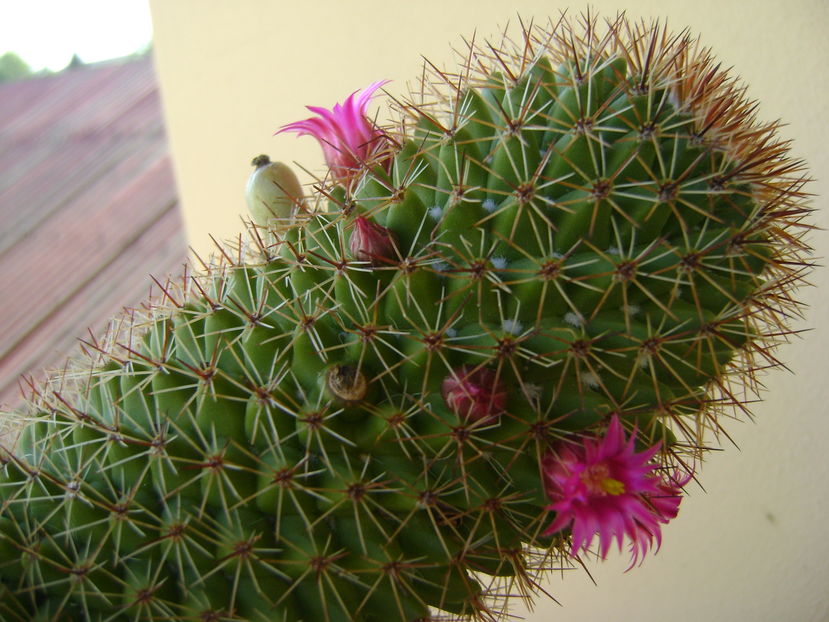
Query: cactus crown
[502, 327]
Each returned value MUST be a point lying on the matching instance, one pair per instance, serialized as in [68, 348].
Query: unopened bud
[474, 394]
[371, 242]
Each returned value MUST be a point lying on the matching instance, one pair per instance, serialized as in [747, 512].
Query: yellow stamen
[598, 481]
[612, 486]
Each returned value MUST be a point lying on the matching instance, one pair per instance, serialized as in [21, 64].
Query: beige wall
[752, 545]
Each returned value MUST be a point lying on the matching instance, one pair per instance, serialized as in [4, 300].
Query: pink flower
[474, 394]
[371, 242]
[605, 487]
[347, 136]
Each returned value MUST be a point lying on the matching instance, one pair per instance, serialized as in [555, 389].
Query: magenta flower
[474, 394]
[603, 486]
[348, 137]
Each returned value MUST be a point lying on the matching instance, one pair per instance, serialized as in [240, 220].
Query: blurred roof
[88, 209]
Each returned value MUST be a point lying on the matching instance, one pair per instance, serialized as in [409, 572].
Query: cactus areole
[491, 339]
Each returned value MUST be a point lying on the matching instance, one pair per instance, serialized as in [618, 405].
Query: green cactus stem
[578, 244]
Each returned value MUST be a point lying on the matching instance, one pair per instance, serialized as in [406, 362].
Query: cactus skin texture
[346, 420]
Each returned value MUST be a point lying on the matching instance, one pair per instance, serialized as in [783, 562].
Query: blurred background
[88, 203]
[748, 547]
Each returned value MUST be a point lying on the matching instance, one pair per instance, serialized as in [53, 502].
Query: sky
[46, 33]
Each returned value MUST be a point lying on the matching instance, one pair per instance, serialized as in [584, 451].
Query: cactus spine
[580, 241]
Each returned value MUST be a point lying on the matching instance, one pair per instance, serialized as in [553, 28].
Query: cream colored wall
[752, 546]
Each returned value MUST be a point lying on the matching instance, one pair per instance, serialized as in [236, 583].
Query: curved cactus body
[375, 414]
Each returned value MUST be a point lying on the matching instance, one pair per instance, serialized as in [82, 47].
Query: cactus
[502, 328]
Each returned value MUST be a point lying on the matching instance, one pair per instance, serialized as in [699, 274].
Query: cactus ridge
[345, 419]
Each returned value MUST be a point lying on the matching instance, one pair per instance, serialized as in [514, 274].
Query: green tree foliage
[12, 67]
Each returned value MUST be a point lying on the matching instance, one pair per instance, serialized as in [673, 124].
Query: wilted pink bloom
[604, 487]
[347, 136]
[474, 394]
[371, 242]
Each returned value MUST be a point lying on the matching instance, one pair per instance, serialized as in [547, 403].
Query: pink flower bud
[371, 242]
[474, 393]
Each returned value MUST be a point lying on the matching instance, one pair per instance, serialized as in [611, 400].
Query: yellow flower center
[612, 486]
[598, 481]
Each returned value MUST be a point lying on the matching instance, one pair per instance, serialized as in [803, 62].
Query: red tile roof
[88, 209]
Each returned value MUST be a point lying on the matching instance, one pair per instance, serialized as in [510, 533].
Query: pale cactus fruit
[497, 336]
[274, 194]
